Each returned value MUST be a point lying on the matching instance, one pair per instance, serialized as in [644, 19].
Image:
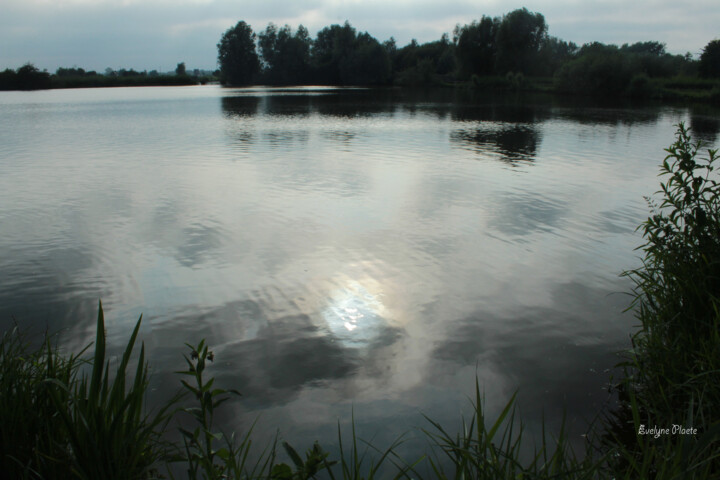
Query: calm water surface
[338, 249]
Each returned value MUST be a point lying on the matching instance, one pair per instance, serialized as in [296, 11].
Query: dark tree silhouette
[332, 50]
[477, 47]
[180, 69]
[342, 57]
[519, 38]
[424, 64]
[649, 48]
[710, 60]
[553, 54]
[29, 77]
[239, 63]
[286, 56]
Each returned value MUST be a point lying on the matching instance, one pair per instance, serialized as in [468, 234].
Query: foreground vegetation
[75, 417]
[672, 374]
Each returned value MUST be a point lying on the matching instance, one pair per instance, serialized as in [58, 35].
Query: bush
[596, 73]
[673, 372]
[27, 77]
[641, 86]
[710, 60]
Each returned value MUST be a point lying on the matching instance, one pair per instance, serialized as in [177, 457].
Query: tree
[70, 72]
[286, 57]
[648, 48]
[477, 47]
[422, 64]
[332, 49]
[29, 77]
[598, 69]
[710, 60]
[553, 54]
[519, 38]
[180, 69]
[8, 79]
[342, 57]
[238, 60]
[371, 63]
[267, 44]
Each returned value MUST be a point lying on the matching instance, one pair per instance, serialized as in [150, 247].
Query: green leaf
[293, 455]
[281, 471]
[99, 357]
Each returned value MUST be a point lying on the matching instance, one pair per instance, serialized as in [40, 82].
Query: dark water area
[339, 249]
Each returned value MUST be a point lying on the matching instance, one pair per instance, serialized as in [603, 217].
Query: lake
[341, 250]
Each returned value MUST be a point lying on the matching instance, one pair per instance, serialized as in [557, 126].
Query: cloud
[213, 24]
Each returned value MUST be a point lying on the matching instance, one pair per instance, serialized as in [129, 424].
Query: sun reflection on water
[355, 313]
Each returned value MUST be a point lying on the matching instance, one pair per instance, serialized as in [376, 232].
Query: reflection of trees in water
[459, 104]
[590, 111]
[287, 104]
[355, 103]
[704, 126]
[503, 126]
[343, 137]
[351, 103]
[240, 110]
[347, 103]
[244, 108]
[240, 106]
[513, 143]
[495, 112]
[285, 138]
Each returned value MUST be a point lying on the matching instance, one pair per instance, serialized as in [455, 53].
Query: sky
[158, 34]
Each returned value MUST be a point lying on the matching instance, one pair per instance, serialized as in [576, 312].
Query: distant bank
[29, 77]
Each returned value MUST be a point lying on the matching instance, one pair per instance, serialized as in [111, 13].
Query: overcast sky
[157, 34]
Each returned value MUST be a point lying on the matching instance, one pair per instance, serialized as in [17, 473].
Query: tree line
[515, 46]
[508, 52]
[29, 77]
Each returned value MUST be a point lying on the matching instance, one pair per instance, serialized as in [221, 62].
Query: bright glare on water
[338, 249]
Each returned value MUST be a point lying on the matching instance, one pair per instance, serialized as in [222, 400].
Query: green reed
[486, 449]
[109, 434]
[58, 422]
[32, 441]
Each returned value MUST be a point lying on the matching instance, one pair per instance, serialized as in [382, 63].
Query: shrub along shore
[679, 88]
[29, 77]
[74, 416]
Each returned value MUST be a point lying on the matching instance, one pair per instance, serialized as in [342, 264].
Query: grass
[30, 442]
[57, 422]
[493, 451]
[109, 435]
[74, 417]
